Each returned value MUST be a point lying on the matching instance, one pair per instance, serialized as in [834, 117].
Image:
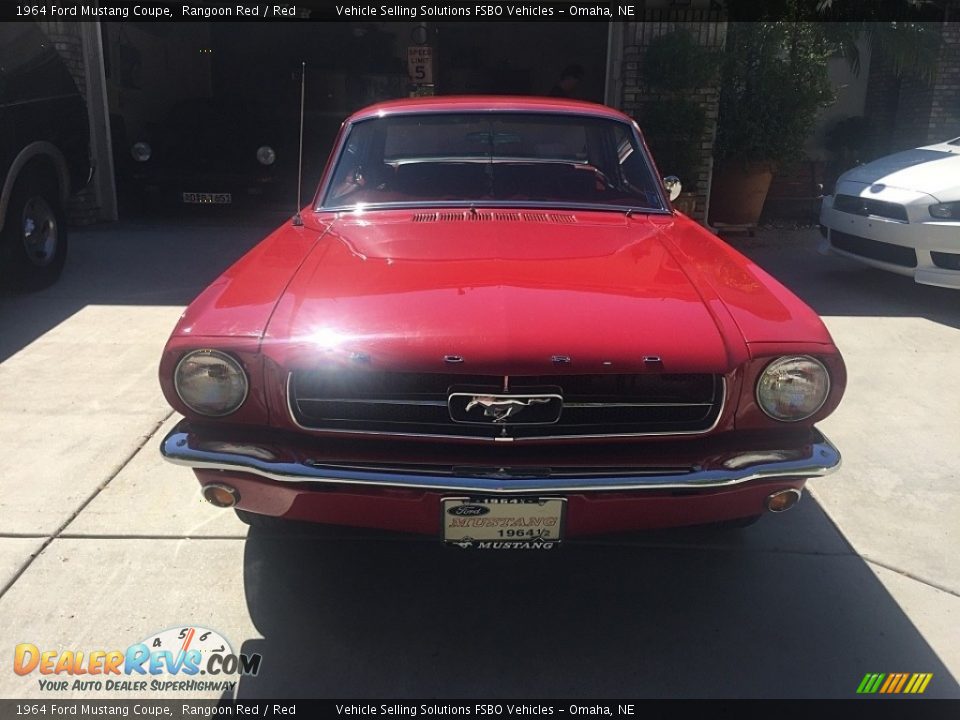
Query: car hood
[933, 169]
[506, 292]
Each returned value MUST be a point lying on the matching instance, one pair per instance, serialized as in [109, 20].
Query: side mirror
[672, 184]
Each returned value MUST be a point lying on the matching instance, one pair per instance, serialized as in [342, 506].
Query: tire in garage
[33, 241]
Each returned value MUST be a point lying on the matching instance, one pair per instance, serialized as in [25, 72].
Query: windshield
[492, 158]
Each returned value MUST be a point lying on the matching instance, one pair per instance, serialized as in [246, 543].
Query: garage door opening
[205, 116]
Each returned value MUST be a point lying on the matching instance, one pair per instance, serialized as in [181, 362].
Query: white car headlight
[793, 388]
[141, 151]
[946, 211]
[266, 155]
[210, 382]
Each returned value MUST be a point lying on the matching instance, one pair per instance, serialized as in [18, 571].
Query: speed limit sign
[420, 64]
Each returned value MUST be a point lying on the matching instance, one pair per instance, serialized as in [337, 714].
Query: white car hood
[932, 169]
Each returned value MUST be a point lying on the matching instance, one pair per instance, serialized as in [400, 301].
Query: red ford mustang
[491, 327]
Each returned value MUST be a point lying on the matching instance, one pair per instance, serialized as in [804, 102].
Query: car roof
[491, 103]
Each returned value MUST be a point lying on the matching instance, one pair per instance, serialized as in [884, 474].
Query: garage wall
[79, 46]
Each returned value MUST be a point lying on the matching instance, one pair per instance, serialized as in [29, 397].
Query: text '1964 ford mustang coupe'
[491, 327]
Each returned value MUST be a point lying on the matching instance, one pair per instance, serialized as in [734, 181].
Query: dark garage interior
[206, 97]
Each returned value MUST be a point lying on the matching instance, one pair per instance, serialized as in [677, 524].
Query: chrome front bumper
[815, 456]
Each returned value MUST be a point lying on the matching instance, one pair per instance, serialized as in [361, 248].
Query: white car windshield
[522, 159]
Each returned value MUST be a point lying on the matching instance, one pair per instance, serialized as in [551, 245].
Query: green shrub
[675, 61]
[673, 128]
[773, 84]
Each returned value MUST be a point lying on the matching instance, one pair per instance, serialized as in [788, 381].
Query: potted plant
[773, 83]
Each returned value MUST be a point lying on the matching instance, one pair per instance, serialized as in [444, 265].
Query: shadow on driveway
[784, 609]
[166, 263]
[833, 285]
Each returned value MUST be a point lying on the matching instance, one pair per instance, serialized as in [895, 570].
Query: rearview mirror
[672, 184]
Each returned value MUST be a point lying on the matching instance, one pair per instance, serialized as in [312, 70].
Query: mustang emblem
[502, 408]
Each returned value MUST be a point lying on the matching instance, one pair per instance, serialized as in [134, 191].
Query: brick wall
[944, 122]
[881, 101]
[83, 207]
[912, 122]
[908, 112]
[709, 29]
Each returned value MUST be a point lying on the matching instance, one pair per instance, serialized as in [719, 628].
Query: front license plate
[503, 523]
[193, 198]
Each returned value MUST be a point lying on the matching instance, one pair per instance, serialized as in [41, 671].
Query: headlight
[793, 388]
[210, 382]
[141, 151]
[266, 155]
[946, 211]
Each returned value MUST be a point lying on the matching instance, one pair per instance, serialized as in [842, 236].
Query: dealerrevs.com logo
[184, 659]
[894, 683]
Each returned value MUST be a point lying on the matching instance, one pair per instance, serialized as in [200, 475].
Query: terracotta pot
[738, 192]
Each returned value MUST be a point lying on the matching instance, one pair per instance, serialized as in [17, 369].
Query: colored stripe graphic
[903, 680]
[894, 683]
[870, 683]
[898, 680]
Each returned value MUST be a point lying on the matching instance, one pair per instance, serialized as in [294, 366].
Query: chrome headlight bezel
[776, 364]
[141, 151]
[229, 361]
[266, 155]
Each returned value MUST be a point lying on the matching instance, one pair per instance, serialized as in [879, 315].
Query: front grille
[947, 261]
[417, 403]
[874, 249]
[867, 206]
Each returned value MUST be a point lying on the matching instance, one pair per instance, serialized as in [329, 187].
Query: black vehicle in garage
[44, 156]
[206, 151]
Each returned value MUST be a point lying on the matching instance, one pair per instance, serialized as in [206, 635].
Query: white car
[900, 213]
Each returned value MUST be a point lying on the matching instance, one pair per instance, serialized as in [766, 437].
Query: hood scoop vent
[469, 216]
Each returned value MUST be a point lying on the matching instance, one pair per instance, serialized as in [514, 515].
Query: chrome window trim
[666, 207]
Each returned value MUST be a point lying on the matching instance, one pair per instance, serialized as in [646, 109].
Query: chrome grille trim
[509, 439]
[374, 401]
[616, 404]
[509, 472]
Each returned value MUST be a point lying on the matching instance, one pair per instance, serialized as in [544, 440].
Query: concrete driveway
[103, 545]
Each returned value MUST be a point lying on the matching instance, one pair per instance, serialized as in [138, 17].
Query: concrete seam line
[96, 491]
[917, 578]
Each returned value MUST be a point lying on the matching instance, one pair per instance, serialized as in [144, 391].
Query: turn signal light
[783, 500]
[222, 496]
